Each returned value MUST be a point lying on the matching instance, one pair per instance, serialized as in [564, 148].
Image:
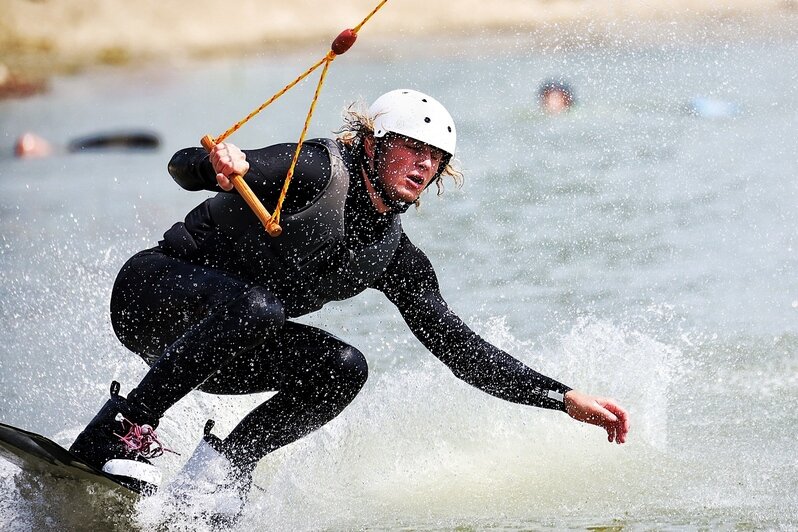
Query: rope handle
[272, 227]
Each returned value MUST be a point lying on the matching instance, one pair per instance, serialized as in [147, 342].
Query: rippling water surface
[628, 248]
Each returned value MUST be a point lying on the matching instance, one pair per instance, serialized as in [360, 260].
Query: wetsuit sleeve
[191, 169]
[411, 284]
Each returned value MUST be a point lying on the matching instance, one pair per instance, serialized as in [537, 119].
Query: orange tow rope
[271, 222]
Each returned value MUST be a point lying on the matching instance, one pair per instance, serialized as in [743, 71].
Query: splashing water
[419, 439]
[646, 255]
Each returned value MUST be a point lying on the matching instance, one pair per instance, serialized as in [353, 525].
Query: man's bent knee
[354, 367]
[258, 308]
[344, 376]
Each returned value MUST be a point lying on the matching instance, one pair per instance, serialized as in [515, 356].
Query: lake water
[628, 249]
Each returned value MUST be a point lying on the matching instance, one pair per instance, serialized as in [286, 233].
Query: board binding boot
[120, 441]
[211, 482]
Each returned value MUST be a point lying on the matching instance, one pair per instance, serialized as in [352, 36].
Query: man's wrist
[556, 398]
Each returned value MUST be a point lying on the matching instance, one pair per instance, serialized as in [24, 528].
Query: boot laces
[141, 439]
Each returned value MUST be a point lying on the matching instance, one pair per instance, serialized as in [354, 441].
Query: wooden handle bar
[272, 227]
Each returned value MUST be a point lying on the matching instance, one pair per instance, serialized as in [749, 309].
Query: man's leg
[315, 374]
[187, 321]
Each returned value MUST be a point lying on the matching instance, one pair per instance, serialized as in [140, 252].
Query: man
[555, 97]
[210, 307]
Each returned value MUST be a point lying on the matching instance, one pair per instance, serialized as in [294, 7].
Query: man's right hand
[227, 161]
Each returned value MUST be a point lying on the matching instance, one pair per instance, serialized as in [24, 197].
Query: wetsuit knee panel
[354, 366]
[340, 367]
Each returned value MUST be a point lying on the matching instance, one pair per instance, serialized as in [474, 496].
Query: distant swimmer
[32, 146]
[213, 306]
[555, 96]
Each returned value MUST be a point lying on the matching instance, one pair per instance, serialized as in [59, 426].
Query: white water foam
[419, 448]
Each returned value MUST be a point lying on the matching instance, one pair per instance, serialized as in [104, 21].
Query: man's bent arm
[192, 170]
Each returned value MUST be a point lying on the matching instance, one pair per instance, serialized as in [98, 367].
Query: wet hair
[556, 85]
[358, 125]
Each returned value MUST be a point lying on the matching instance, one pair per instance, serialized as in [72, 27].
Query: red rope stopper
[344, 41]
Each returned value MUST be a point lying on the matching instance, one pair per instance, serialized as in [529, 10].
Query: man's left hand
[599, 411]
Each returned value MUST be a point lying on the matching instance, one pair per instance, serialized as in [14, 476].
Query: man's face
[555, 102]
[406, 167]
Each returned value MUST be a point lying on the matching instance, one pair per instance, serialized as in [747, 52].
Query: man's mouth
[417, 179]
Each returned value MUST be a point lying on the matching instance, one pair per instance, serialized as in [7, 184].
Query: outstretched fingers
[617, 421]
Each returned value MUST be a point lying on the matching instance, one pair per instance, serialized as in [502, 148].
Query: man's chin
[404, 196]
[409, 200]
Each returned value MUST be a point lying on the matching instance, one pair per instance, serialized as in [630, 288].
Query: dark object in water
[32, 146]
[125, 140]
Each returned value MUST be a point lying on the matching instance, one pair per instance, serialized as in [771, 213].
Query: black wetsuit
[201, 312]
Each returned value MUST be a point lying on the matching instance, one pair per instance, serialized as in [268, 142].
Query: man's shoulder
[285, 151]
[310, 177]
[407, 251]
[410, 275]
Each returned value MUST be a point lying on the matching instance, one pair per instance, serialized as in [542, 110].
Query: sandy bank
[38, 37]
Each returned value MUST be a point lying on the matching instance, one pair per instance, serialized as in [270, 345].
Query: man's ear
[368, 146]
[370, 149]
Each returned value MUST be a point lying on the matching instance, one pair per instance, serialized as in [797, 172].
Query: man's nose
[425, 158]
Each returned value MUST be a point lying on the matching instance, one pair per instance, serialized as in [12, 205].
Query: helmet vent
[427, 119]
[424, 100]
[449, 129]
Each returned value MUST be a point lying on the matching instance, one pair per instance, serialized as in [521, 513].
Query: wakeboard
[39, 455]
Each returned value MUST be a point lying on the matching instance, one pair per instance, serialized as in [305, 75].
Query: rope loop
[342, 43]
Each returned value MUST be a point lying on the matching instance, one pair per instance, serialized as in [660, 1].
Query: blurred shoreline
[41, 38]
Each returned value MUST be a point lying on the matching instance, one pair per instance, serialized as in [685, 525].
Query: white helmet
[415, 115]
